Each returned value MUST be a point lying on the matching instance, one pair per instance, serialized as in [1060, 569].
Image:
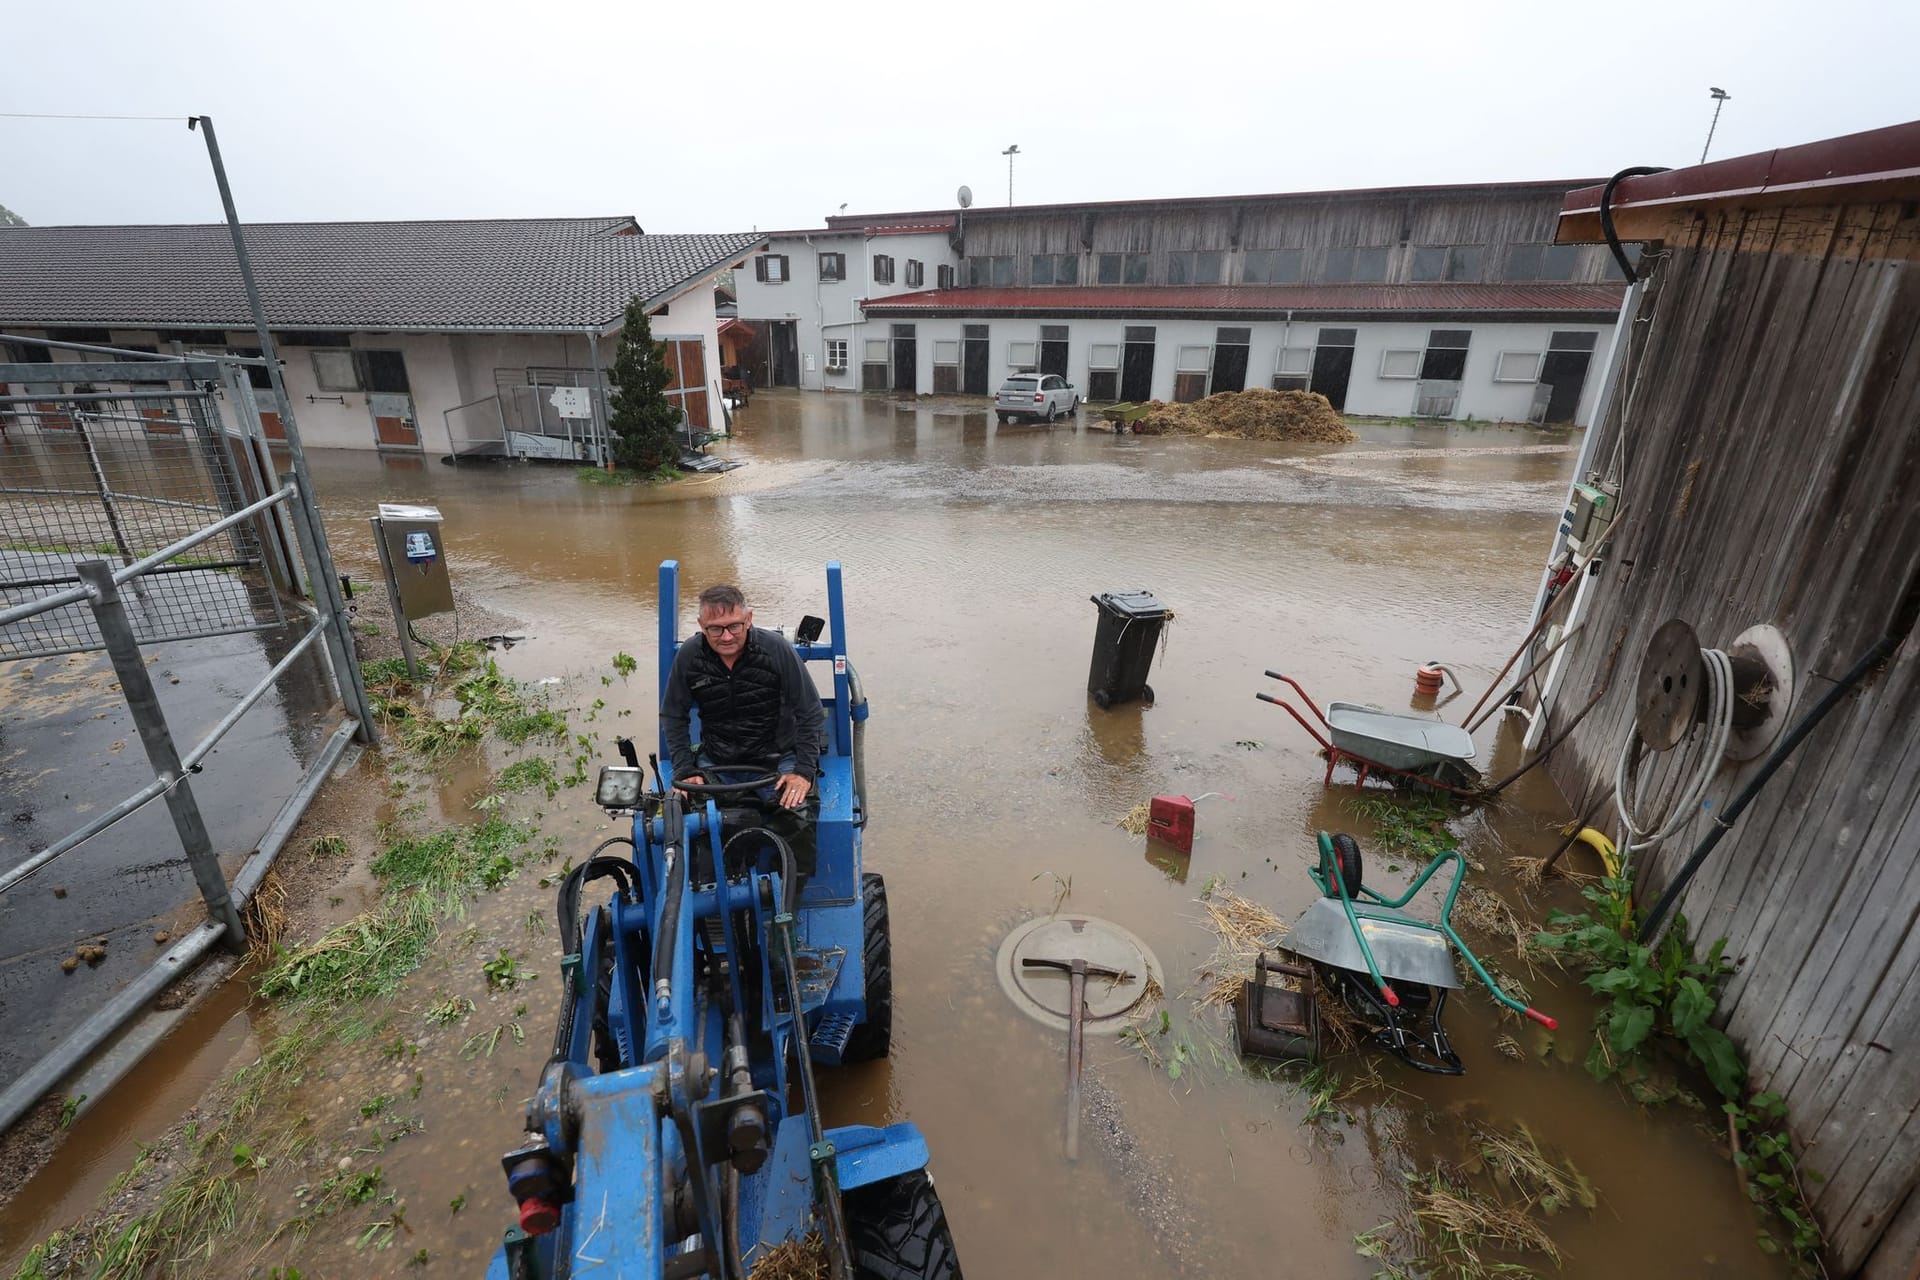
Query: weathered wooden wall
[1310, 222]
[1772, 454]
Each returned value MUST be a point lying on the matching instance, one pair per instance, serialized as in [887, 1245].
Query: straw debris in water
[1255, 414]
[1134, 820]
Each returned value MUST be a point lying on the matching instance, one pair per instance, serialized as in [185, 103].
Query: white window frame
[946, 351]
[323, 356]
[775, 268]
[1101, 363]
[1184, 360]
[1501, 373]
[1023, 355]
[1413, 355]
[1302, 366]
[877, 351]
[840, 365]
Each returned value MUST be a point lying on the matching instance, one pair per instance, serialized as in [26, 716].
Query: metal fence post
[137, 687]
[346, 664]
[79, 420]
[401, 623]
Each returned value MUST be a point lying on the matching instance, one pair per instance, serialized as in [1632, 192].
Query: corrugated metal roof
[503, 274]
[1879, 164]
[1319, 299]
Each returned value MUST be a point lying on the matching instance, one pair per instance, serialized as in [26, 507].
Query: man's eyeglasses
[724, 629]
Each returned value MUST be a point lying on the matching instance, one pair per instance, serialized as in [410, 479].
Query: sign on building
[571, 402]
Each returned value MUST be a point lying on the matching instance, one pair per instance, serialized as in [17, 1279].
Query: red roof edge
[1879, 164]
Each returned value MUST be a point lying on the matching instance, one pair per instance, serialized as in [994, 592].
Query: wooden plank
[1894, 1252]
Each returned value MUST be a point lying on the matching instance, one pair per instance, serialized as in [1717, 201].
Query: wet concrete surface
[970, 553]
[69, 749]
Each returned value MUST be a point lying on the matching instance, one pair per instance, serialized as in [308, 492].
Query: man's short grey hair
[723, 597]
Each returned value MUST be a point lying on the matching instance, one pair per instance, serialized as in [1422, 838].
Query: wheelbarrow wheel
[898, 1231]
[1347, 850]
[874, 1037]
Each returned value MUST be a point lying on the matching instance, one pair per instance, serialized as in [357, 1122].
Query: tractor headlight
[619, 787]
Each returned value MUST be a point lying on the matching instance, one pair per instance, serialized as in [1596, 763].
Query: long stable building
[1443, 302]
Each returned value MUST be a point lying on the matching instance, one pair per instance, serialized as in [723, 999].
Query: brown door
[686, 360]
[389, 399]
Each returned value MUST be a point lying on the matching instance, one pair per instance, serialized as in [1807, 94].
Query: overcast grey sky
[722, 116]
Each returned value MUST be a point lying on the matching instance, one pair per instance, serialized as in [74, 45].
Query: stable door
[389, 399]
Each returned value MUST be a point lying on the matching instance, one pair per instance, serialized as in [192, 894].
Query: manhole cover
[1041, 993]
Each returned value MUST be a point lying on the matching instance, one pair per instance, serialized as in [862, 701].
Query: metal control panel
[414, 552]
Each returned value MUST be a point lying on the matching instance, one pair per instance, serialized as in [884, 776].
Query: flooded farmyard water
[970, 552]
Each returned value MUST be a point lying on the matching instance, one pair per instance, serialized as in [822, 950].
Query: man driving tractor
[759, 710]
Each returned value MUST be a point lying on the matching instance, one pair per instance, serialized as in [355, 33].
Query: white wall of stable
[1368, 393]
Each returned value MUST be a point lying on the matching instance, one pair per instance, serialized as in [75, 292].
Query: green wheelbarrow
[1389, 969]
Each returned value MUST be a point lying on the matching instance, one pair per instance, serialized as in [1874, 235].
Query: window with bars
[1272, 266]
[833, 266]
[1055, 268]
[1194, 266]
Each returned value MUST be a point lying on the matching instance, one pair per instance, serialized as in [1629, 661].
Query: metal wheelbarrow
[1389, 969]
[1432, 753]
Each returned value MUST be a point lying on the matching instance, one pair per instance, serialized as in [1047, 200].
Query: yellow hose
[1598, 842]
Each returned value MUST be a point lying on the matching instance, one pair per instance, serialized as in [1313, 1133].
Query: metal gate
[141, 505]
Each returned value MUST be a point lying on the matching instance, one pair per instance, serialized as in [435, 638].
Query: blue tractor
[677, 1129]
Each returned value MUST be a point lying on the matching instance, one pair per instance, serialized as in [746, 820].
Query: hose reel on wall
[1697, 708]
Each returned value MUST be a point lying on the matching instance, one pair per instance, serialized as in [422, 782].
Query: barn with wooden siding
[1765, 430]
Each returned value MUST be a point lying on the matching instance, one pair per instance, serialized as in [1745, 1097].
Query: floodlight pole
[1720, 97]
[1010, 153]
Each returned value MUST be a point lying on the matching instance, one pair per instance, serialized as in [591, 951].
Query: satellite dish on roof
[965, 197]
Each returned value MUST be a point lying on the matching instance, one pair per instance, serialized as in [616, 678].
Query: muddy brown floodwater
[970, 553]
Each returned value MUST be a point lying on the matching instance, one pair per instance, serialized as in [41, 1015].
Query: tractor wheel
[1347, 850]
[874, 1037]
[898, 1231]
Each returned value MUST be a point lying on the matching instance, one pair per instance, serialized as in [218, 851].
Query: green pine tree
[644, 421]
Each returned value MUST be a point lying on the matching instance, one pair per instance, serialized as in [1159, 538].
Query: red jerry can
[1170, 821]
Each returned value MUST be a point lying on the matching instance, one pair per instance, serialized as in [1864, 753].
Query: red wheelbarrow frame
[1335, 755]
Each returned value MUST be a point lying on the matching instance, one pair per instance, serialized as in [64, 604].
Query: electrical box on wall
[416, 558]
[1587, 516]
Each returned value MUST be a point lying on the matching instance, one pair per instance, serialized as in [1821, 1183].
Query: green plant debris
[332, 845]
[503, 972]
[535, 773]
[450, 1010]
[625, 664]
[1662, 995]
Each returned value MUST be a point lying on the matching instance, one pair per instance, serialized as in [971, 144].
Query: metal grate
[117, 476]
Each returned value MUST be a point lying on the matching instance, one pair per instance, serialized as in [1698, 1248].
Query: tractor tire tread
[874, 1038]
[898, 1231]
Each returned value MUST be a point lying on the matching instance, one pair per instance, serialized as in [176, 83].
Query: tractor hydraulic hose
[1898, 627]
[1606, 214]
[567, 902]
[856, 699]
[673, 877]
[789, 879]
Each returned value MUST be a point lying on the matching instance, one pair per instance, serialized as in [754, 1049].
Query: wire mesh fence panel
[117, 477]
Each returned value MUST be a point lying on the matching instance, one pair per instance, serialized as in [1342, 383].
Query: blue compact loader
[677, 1129]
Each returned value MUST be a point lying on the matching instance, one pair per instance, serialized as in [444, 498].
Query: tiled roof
[513, 275]
[1212, 300]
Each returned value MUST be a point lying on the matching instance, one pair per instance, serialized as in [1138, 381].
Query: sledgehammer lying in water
[1077, 972]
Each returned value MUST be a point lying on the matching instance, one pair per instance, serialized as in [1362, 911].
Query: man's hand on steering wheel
[692, 779]
[791, 791]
